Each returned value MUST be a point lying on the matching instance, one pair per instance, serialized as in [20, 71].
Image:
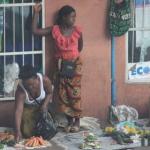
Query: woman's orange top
[66, 46]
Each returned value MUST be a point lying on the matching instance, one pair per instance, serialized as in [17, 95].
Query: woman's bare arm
[80, 43]
[19, 104]
[48, 89]
[35, 29]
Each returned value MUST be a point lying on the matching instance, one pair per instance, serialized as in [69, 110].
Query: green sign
[5, 1]
[119, 17]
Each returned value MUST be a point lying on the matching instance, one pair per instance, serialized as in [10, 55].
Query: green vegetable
[122, 138]
[1, 146]
[90, 138]
[11, 143]
[127, 140]
[119, 139]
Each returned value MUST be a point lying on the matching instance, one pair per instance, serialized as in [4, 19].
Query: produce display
[120, 137]
[1, 146]
[7, 138]
[35, 142]
[90, 142]
[126, 133]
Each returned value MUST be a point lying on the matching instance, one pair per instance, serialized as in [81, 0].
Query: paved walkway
[72, 141]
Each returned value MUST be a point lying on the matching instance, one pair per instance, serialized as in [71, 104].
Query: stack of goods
[35, 142]
[6, 138]
[126, 133]
[120, 136]
[90, 142]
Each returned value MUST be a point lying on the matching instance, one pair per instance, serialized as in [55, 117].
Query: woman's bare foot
[76, 126]
[68, 128]
[70, 124]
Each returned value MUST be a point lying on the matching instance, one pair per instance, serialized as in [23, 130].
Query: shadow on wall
[51, 64]
[7, 117]
[108, 35]
[50, 52]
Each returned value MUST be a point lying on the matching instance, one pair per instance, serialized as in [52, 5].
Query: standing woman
[68, 45]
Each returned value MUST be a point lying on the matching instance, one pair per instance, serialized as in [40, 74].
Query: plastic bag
[46, 126]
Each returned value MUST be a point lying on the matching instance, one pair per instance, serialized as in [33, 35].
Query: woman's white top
[41, 96]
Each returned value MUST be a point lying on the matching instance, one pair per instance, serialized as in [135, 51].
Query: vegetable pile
[127, 132]
[90, 142]
[6, 138]
[35, 142]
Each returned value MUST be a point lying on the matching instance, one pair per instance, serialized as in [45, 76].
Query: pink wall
[96, 55]
[6, 114]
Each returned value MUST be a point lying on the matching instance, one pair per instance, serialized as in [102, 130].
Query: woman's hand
[44, 108]
[37, 8]
[18, 136]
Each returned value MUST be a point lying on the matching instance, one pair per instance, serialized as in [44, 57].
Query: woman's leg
[70, 120]
[29, 119]
[70, 123]
[77, 122]
[76, 125]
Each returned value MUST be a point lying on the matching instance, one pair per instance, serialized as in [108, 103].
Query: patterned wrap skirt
[69, 90]
[29, 119]
[31, 115]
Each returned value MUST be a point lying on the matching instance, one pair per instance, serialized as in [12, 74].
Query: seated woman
[32, 89]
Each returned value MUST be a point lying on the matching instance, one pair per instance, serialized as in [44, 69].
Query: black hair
[27, 72]
[64, 11]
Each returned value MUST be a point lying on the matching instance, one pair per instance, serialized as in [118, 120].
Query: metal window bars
[17, 44]
[138, 38]
[139, 30]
